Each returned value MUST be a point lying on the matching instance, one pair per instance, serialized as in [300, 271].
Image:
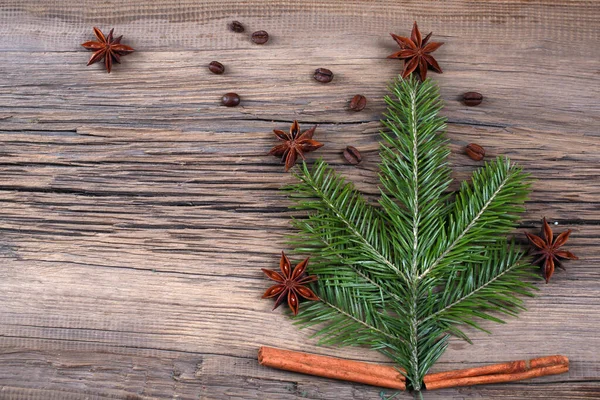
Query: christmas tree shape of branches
[404, 275]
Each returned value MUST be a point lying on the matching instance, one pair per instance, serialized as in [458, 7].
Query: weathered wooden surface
[136, 212]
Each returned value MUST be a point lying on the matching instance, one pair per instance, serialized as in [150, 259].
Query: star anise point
[291, 284]
[416, 53]
[295, 144]
[107, 48]
[547, 249]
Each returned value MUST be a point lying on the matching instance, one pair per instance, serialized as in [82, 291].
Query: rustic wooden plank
[189, 313]
[132, 372]
[136, 211]
[161, 88]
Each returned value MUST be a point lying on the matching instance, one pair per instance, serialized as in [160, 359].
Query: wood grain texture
[136, 212]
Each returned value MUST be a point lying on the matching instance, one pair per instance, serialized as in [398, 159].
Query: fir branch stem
[371, 327]
[467, 228]
[413, 332]
[414, 343]
[365, 276]
[351, 227]
[472, 293]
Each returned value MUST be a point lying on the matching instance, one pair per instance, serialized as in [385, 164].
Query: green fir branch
[406, 274]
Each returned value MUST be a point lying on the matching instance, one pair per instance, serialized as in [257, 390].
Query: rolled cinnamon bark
[331, 367]
[503, 368]
[392, 378]
[497, 378]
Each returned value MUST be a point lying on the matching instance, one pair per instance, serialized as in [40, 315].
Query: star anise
[108, 48]
[294, 144]
[548, 249]
[290, 284]
[416, 52]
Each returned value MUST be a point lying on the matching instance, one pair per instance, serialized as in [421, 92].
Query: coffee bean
[323, 75]
[230, 99]
[358, 102]
[472, 99]
[236, 26]
[260, 37]
[475, 151]
[352, 155]
[216, 67]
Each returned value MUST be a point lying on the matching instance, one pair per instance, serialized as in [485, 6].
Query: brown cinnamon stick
[511, 367]
[497, 378]
[331, 367]
[390, 377]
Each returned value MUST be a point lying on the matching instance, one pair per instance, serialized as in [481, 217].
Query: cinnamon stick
[331, 367]
[497, 378]
[392, 378]
[511, 367]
